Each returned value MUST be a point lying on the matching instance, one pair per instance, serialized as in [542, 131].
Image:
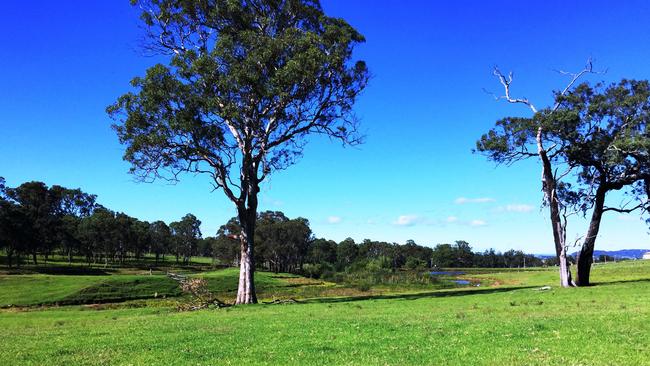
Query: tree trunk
[247, 213]
[246, 289]
[586, 254]
[559, 230]
[565, 270]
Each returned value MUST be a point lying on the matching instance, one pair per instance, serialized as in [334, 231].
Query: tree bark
[247, 213]
[246, 289]
[559, 231]
[586, 254]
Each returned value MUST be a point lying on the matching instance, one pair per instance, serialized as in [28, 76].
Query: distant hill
[620, 254]
[617, 254]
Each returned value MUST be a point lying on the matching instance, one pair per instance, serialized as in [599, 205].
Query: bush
[415, 263]
[378, 265]
[317, 270]
[363, 286]
[312, 270]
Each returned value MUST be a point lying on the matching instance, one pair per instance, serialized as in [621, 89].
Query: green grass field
[506, 320]
[39, 289]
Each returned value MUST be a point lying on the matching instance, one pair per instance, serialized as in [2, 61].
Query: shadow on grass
[60, 270]
[415, 296]
[100, 270]
[606, 283]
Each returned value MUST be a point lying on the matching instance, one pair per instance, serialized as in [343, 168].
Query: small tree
[186, 235]
[246, 83]
[160, 239]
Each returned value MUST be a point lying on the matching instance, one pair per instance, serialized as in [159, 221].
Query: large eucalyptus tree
[246, 82]
[592, 141]
[605, 133]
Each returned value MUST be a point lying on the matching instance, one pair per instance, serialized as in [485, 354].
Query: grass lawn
[26, 290]
[509, 322]
[45, 289]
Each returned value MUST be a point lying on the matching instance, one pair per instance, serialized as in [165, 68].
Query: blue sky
[415, 178]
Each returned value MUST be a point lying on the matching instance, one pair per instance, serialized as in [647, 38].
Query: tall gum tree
[515, 139]
[605, 136]
[246, 83]
[598, 142]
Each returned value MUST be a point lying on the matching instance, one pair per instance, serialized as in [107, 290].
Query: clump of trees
[592, 141]
[37, 220]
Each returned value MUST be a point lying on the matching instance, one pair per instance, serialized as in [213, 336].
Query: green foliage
[35, 218]
[282, 243]
[415, 263]
[511, 139]
[379, 264]
[185, 236]
[601, 131]
[323, 251]
[347, 252]
[318, 270]
[245, 83]
[246, 79]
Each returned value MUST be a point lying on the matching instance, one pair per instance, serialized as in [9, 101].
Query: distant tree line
[287, 245]
[37, 220]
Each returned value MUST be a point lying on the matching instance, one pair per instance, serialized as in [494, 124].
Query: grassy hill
[506, 320]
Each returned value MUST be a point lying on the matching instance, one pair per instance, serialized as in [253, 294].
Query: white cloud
[456, 221]
[407, 220]
[334, 220]
[271, 201]
[628, 217]
[464, 200]
[519, 208]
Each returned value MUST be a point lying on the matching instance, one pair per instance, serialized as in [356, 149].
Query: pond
[452, 273]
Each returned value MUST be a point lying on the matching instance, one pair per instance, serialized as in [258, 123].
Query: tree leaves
[246, 82]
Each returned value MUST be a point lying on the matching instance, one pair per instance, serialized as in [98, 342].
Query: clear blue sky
[63, 62]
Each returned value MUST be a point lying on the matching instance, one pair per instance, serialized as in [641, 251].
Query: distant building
[646, 255]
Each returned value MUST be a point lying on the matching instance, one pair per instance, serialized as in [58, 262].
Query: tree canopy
[597, 138]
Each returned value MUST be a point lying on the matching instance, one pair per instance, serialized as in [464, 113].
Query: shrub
[415, 263]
